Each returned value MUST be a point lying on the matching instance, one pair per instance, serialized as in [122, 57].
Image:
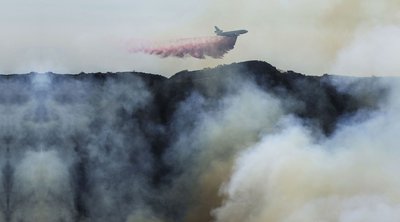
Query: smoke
[291, 175]
[214, 47]
[238, 143]
[282, 32]
[70, 153]
[42, 190]
[220, 131]
[370, 53]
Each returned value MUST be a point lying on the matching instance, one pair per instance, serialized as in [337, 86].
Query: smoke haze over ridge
[242, 142]
[40, 35]
[348, 177]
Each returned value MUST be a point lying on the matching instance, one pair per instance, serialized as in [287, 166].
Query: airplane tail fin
[217, 30]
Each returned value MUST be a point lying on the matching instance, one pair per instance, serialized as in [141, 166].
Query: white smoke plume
[212, 145]
[221, 146]
[371, 52]
[63, 162]
[42, 190]
[282, 32]
[292, 175]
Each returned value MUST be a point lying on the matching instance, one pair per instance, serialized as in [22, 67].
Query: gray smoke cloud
[42, 36]
[42, 189]
[371, 52]
[69, 153]
[224, 147]
[291, 175]
[208, 140]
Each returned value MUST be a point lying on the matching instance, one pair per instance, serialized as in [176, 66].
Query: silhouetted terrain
[132, 146]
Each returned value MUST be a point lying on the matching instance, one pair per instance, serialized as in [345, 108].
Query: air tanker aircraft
[230, 33]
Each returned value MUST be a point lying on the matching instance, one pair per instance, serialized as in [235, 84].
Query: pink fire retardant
[215, 47]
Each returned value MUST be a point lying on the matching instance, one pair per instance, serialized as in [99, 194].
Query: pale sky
[351, 37]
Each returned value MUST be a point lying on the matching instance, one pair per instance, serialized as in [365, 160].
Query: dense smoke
[215, 47]
[329, 33]
[290, 175]
[238, 143]
[69, 152]
[220, 131]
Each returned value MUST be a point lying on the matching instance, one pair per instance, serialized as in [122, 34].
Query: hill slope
[128, 146]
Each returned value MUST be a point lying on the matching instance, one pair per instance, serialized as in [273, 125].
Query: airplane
[230, 33]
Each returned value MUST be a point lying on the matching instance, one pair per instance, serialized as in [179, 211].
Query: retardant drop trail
[214, 46]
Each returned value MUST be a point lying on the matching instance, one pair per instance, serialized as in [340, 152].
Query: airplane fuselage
[230, 33]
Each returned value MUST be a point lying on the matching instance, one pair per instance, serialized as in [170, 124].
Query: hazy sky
[358, 37]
